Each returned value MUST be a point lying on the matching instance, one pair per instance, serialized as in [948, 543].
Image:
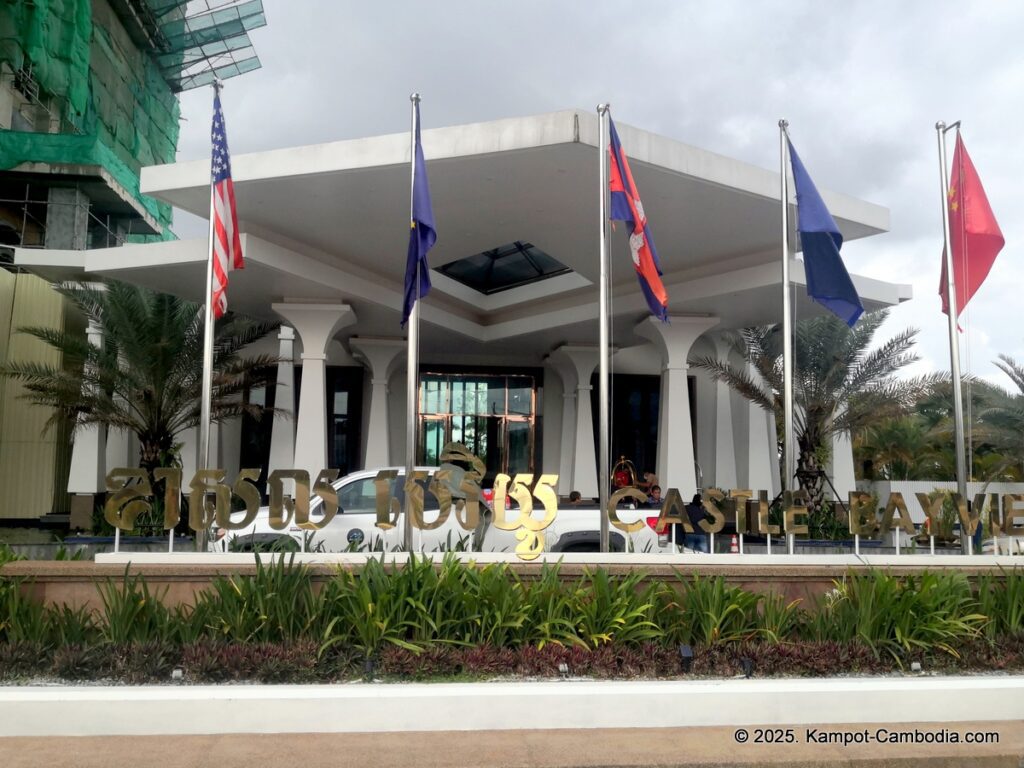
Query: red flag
[973, 231]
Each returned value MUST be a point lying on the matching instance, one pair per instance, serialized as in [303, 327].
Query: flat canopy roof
[331, 222]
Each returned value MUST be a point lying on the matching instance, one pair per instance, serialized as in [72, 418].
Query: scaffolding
[96, 86]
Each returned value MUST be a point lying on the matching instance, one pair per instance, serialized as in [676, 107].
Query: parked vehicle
[576, 528]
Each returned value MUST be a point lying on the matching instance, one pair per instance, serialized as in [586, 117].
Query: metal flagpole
[954, 341]
[602, 396]
[787, 321]
[412, 352]
[207, 399]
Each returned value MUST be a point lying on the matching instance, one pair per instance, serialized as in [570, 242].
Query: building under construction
[88, 96]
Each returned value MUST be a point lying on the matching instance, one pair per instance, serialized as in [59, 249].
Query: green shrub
[1001, 600]
[365, 610]
[131, 613]
[549, 619]
[712, 612]
[22, 618]
[929, 612]
[502, 607]
[613, 609]
[276, 604]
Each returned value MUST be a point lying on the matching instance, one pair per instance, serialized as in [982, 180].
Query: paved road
[515, 749]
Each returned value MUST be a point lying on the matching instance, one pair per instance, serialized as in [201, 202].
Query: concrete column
[189, 440]
[840, 469]
[675, 433]
[578, 364]
[566, 371]
[316, 325]
[380, 357]
[88, 458]
[122, 446]
[67, 219]
[88, 468]
[282, 432]
[762, 469]
[229, 448]
[725, 449]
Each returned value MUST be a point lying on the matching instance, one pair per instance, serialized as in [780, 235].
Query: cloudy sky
[862, 84]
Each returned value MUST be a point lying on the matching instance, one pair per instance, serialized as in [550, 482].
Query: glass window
[520, 395]
[492, 415]
[359, 497]
[504, 267]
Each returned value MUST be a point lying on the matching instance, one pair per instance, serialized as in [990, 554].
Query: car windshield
[360, 496]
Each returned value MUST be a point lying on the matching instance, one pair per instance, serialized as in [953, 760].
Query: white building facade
[509, 332]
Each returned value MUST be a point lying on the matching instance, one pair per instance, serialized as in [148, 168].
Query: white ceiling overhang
[331, 222]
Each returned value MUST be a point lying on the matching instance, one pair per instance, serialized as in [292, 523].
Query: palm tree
[840, 383]
[147, 376]
[1005, 414]
[901, 449]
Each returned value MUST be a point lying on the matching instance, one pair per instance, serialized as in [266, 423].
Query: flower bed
[457, 620]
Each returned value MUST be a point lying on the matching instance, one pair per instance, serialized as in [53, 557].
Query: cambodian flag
[828, 282]
[626, 206]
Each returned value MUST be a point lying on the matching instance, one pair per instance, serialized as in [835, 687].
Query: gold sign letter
[796, 507]
[324, 488]
[613, 516]
[896, 503]
[126, 500]
[862, 514]
[283, 506]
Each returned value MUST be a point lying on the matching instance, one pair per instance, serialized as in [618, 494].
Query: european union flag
[422, 235]
[828, 282]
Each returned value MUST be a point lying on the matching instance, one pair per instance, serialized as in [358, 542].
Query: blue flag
[828, 282]
[422, 234]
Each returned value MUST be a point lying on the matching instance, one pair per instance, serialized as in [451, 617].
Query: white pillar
[282, 432]
[316, 325]
[122, 445]
[229, 448]
[725, 448]
[380, 357]
[762, 469]
[88, 453]
[189, 440]
[840, 469]
[675, 433]
[566, 371]
[579, 364]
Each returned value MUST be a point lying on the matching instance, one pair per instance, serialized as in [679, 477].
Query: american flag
[227, 245]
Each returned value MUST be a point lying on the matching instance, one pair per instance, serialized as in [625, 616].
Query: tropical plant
[903, 448]
[146, 378]
[614, 609]
[1001, 599]
[276, 604]
[922, 613]
[132, 613]
[843, 382]
[1005, 415]
[713, 612]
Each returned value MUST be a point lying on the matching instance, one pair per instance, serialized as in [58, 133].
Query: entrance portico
[326, 227]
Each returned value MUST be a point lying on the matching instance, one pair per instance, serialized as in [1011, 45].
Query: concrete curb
[377, 708]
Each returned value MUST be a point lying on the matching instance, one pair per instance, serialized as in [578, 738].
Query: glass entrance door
[492, 415]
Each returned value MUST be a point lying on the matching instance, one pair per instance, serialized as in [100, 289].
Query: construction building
[88, 96]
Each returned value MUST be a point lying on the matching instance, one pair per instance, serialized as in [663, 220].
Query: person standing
[698, 540]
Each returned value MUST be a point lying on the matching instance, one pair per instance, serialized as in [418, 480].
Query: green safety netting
[53, 36]
[17, 147]
[117, 105]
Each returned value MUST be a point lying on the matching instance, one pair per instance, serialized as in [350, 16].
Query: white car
[354, 528]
